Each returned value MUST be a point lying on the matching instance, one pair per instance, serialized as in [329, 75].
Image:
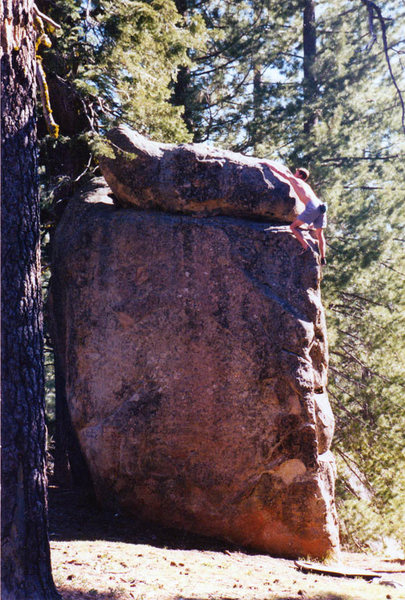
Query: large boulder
[195, 179]
[194, 352]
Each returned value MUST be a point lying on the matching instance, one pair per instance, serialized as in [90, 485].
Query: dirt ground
[98, 555]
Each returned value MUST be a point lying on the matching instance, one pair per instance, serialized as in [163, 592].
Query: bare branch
[345, 376]
[355, 470]
[45, 17]
[364, 299]
[374, 10]
[359, 158]
[392, 269]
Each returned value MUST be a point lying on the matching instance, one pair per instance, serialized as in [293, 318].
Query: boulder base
[195, 358]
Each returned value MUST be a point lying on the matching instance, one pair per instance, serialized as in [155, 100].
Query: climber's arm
[300, 188]
[321, 239]
[283, 171]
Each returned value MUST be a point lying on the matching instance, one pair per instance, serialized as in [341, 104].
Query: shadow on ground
[71, 593]
[74, 516]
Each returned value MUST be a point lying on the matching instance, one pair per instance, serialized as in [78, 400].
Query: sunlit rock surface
[195, 356]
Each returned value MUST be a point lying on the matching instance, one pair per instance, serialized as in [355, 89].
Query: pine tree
[112, 62]
[232, 97]
[26, 569]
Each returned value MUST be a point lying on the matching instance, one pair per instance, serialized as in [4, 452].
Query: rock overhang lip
[199, 178]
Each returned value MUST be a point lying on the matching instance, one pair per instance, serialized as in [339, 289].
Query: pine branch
[350, 310]
[352, 335]
[346, 376]
[249, 33]
[340, 309]
[364, 299]
[343, 408]
[347, 355]
[373, 9]
[352, 398]
[392, 268]
[44, 17]
[349, 158]
[355, 470]
[362, 187]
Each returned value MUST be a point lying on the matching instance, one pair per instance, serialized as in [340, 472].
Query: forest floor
[101, 556]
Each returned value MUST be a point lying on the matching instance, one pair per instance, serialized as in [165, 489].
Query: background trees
[357, 149]
[306, 82]
[317, 83]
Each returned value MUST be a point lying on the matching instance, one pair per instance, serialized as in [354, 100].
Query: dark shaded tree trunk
[183, 90]
[310, 82]
[70, 466]
[182, 96]
[26, 569]
[61, 473]
[257, 128]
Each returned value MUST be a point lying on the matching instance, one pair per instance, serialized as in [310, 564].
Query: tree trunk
[183, 91]
[257, 125]
[182, 96]
[61, 472]
[26, 569]
[310, 83]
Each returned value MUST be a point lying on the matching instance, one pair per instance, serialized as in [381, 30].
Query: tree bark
[182, 95]
[257, 125]
[310, 82]
[26, 569]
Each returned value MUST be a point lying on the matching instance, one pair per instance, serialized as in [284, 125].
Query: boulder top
[195, 179]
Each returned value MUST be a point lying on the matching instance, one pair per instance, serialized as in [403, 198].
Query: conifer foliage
[112, 61]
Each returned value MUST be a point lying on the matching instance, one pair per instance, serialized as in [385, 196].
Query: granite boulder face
[194, 351]
[195, 179]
